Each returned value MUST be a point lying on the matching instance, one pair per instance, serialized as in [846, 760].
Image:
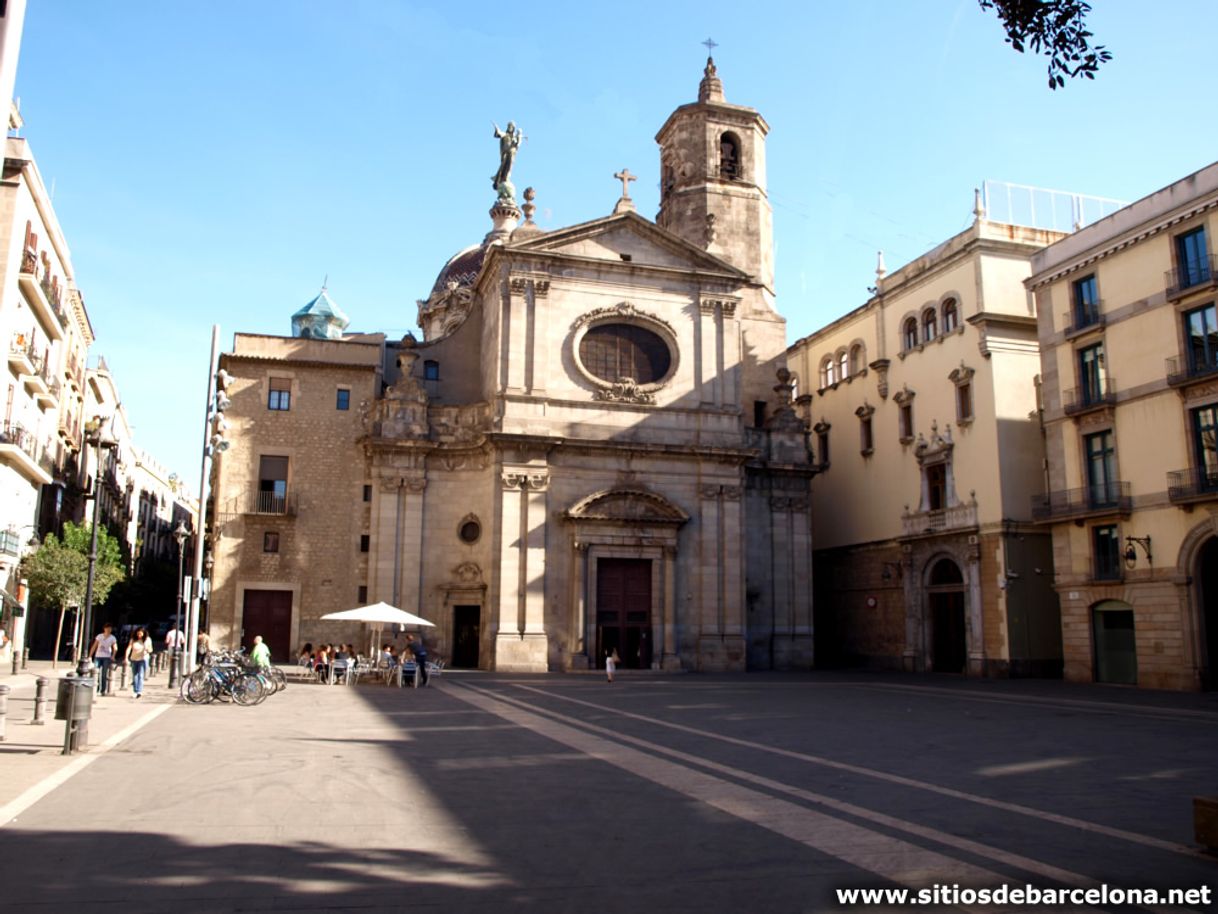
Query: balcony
[1192, 485]
[923, 523]
[1090, 397]
[1068, 504]
[1082, 318]
[76, 376]
[10, 543]
[20, 450]
[70, 430]
[1184, 370]
[1188, 278]
[265, 503]
[21, 353]
[43, 297]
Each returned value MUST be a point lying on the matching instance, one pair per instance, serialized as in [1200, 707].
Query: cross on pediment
[625, 177]
[710, 46]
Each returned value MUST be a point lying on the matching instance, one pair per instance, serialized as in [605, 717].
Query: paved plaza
[656, 793]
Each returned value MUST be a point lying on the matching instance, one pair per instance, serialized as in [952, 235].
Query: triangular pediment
[627, 506]
[644, 242]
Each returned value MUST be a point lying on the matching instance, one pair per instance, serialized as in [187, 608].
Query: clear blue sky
[212, 162]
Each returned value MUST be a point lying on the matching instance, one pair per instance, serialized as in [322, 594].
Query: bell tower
[712, 179]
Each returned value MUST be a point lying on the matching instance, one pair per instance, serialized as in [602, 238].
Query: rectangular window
[866, 441]
[431, 370]
[1192, 261]
[1086, 302]
[361, 595]
[759, 414]
[1205, 446]
[1201, 332]
[936, 486]
[364, 542]
[270, 541]
[964, 403]
[1101, 470]
[822, 445]
[272, 485]
[367, 493]
[280, 395]
[1091, 379]
[905, 422]
[1106, 550]
[342, 399]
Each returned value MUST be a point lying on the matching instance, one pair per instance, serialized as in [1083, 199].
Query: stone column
[540, 327]
[578, 658]
[515, 334]
[670, 658]
[521, 640]
[412, 545]
[976, 629]
[732, 559]
[710, 375]
[384, 575]
[729, 352]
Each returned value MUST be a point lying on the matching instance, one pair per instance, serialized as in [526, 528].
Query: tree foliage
[1056, 29]
[59, 569]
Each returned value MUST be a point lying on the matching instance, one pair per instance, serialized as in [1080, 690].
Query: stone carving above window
[624, 390]
[627, 505]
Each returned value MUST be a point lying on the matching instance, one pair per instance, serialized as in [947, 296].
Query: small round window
[470, 531]
[615, 351]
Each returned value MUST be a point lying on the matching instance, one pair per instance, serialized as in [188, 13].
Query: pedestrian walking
[260, 655]
[102, 652]
[138, 652]
[611, 662]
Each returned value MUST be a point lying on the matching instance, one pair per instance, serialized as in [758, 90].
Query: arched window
[930, 323]
[951, 316]
[945, 571]
[856, 358]
[830, 371]
[843, 365]
[909, 333]
[729, 156]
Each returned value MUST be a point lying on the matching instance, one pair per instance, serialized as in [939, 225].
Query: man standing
[260, 656]
[419, 650]
[102, 652]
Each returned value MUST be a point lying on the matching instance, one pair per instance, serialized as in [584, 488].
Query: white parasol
[378, 614]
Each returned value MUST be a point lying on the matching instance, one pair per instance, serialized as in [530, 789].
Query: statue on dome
[509, 142]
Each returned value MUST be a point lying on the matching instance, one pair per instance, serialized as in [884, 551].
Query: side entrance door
[467, 623]
[268, 613]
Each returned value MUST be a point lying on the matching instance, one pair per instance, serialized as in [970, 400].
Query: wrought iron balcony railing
[1183, 369]
[1083, 317]
[1193, 484]
[270, 503]
[1188, 277]
[1102, 498]
[1090, 396]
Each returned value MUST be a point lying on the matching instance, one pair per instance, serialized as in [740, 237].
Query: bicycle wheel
[248, 690]
[198, 688]
[278, 679]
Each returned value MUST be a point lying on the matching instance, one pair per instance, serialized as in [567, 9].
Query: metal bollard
[4, 690]
[69, 731]
[40, 701]
[122, 678]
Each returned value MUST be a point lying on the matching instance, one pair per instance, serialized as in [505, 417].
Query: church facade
[592, 447]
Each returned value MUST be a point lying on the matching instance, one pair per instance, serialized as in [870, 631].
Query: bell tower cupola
[712, 179]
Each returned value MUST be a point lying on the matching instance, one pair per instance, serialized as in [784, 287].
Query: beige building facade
[1129, 345]
[924, 408]
[593, 447]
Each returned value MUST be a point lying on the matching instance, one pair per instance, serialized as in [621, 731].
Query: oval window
[612, 352]
[470, 531]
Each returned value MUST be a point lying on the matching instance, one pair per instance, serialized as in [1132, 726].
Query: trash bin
[82, 709]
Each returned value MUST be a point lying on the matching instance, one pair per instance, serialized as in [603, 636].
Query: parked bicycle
[226, 675]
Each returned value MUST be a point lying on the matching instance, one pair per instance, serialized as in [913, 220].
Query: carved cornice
[708, 304]
[904, 396]
[621, 311]
[866, 411]
[962, 375]
[632, 505]
[624, 390]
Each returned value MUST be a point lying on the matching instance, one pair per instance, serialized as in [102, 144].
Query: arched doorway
[1116, 656]
[948, 635]
[1206, 577]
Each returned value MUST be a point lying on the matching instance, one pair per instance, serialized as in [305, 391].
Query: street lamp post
[93, 436]
[180, 534]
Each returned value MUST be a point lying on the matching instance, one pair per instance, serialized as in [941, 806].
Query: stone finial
[978, 205]
[529, 208]
[711, 88]
[624, 203]
[880, 270]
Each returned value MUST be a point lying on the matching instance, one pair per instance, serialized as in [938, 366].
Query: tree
[1056, 29]
[58, 571]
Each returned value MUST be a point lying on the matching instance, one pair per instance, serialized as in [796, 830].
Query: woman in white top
[138, 652]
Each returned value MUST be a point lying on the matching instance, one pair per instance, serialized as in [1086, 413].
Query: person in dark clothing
[419, 650]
